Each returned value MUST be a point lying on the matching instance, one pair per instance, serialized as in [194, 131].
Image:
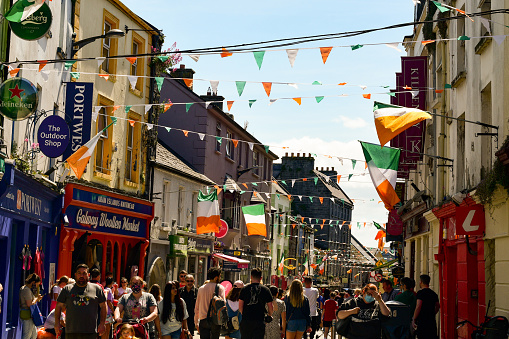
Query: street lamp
[111, 34]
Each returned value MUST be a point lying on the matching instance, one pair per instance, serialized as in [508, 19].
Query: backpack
[217, 313]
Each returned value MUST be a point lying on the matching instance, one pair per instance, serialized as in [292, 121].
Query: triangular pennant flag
[304, 179]
[318, 99]
[438, 91]
[342, 83]
[251, 102]
[13, 72]
[353, 163]
[195, 57]
[293, 85]
[325, 51]
[104, 76]
[363, 87]
[219, 140]
[147, 108]
[229, 104]
[186, 133]
[271, 101]
[366, 165]
[159, 83]
[499, 38]
[201, 135]
[42, 63]
[366, 96]
[426, 42]
[95, 113]
[266, 148]
[349, 176]
[167, 106]
[292, 54]
[114, 119]
[258, 55]
[207, 104]
[267, 86]
[356, 47]
[163, 58]
[446, 86]
[188, 82]
[298, 100]
[321, 200]
[150, 126]
[100, 61]
[394, 46]
[213, 85]
[414, 94]
[338, 178]
[316, 83]
[235, 142]
[45, 75]
[293, 182]
[188, 106]
[225, 53]
[316, 180]
[486, 23]
[128, 108]
[392, 94]
[250, 145]
[168, 129]
[114, 109]
[310, 199]
[300, 197]
[131, 60]
[68, 64]
[441, 7]
[131, 122]
[283, 182]
[463, 37]
[240, 86]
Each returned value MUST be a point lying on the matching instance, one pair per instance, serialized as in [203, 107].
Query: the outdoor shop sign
[18, 98]
[53, 136]
[35, 26]
[178, 246]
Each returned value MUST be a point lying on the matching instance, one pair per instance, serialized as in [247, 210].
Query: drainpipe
[441, 146]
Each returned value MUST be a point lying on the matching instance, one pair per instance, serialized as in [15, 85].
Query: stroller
[140, 330]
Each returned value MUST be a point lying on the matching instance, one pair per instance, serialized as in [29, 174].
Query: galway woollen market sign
[18, 98]
[35, 26]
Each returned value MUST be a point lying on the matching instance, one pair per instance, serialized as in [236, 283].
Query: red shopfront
[461, 268]
[105, 230]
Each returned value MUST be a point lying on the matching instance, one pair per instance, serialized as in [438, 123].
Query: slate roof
[170, 161]
[333, 187]
[364, 254]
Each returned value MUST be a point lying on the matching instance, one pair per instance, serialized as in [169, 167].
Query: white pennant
[100, 61]
[214, 84]
[271, 101]
[327, 179]
[207, 104]
[201, 135]
[150, 126]
[363, 87]
[416, 2]
[195, 57]
[267, 195]
[293, 85]
[414, 94]
[293, 182]
[45, 75]
[292, 54]
[332, 199]
[96, 112]
[499, 38]
[251, 145]
[300, 197]
[394, 46]
[486, 23]
[340, 160]
[147, 107]
[132, 80]
[330, 222]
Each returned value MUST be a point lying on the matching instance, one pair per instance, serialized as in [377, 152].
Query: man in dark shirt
[252, 301]
[189, 294]
[425, 310]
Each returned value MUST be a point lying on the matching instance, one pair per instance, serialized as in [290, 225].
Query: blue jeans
[176, 334]
[297, 325]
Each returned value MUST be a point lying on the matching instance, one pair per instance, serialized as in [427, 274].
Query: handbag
[36, 315]
[184, 334]
[25, 314]
[343, 326]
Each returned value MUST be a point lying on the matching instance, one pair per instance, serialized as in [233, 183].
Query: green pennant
[314, 154]
[68, 64]
[224, 187]
[447, 86]
[168, 129]
[278, 196]
[159, 82]
[128, 108]
[353, 163]
[358, 225]
[114, 119]
[188, 106]
[219, 140]
[240, 86]
[377, 225]
[349, 176]
[392, 94]
[242, 192]
[356, 47]
[163, 58]
[316, 180]
[254, 184]
[311, 199]
[441, 7]
[343, 202]
[284, 182]
[316, 221]
[316, 83]
[318, 99]
[259, 58]
[251, 102]
[463, 37]
[386, 86]
[75, 75]
[266, 148]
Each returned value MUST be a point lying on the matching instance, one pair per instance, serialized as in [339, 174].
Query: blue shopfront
[29, 214]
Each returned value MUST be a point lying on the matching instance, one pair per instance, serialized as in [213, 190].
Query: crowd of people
[87, 308]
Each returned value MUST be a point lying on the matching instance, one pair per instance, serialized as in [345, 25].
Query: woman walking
[155, 290]
[298, 313]
[274, 329]
[173, 312]
[123, 289]
[27, 299]
[232, 306]
[55, 290]
[329, 314]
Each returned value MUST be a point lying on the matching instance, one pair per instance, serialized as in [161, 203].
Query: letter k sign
[470, 220]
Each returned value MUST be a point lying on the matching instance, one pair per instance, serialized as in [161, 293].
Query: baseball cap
[238, 284]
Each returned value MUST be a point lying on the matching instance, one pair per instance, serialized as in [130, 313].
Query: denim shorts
[174, 335]
[297, 325]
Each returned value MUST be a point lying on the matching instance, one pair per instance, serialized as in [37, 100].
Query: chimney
[332, 169]
[309, 155]
[211, 96]
[292, 154]
[184, 73]
[298, 155]
[286, 154]
[327, 169]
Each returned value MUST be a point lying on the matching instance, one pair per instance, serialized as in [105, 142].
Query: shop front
[105, 230]
[29, 214]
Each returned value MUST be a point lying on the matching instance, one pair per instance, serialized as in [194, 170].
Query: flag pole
[464, 120]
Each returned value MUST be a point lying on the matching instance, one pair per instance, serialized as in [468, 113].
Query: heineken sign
[35, 26]
[18, 98]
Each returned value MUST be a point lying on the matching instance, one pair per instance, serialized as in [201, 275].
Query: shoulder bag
[343, 325]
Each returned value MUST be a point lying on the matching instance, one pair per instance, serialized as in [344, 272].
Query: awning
[241, 263]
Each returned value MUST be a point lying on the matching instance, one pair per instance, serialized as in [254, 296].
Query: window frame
[114, 23]
[230, 149]
[140, 66]
[218, 134]
[106, 140]
[134, 149]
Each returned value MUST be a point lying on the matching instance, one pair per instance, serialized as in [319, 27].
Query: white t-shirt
[312, 294]
[171, 325]
[121, 291]
[50, 319]
[56, 290]
[234, 305]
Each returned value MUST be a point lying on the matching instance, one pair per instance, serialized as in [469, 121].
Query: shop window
[132, 149]
[137, 68]
[109, 46]
[94, 254]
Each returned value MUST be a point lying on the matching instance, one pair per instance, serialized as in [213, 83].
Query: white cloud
[351, 123]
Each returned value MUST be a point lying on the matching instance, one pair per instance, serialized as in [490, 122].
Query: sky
[332, 127]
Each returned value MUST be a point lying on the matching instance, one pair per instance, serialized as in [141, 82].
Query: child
[127, 332]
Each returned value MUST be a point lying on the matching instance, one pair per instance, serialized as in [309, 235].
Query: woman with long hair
[56, 289]
[232, 307]
[27, 299]
[123, 289]
[274, 329]
[173, 312]
[298, 313]
[155, 290]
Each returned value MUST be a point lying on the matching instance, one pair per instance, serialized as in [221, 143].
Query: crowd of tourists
[87, 308]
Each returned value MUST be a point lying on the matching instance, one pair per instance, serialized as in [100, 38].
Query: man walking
[312, 294]
[82, 302]
[425, 310]
[189, 294]
[206, 329]
[389, 292]
[252, 301]
[182, 278]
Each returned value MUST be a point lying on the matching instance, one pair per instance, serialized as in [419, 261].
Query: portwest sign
[35, 26]
[53, 136]
[18, 98]
[78, 111]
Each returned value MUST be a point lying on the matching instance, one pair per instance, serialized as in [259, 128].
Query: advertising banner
[78, 113]
[109, 201]
[178, 246]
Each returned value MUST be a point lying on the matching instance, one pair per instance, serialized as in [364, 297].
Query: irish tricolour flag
[391, 120]
[255, 219]
[383, 169]
[208, 213]
[22, 9]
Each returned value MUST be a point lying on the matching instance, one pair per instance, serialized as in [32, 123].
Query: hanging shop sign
[229, 266]
[470, 220]
[109, 201]
[53, 136]
[34, 26]
[200, 246]
[398, 272]
[78, 112]
[289, 265]
[178, 246]
[223, 230]
[394, 227]
[18, 98]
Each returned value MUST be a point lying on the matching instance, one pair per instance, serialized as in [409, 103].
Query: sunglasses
[192, 281]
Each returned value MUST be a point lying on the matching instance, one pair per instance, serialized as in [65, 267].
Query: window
[109, 46]
[255, 163]
[165, 203]
[106, 48]
[101, 156]
[230, 149]
[218, 134]
[180, 205]
[246, 145]
[461, 55]
[460, 154]
[132, 149]
[486, 141]
[135, 51]
[194, 205]
[137, 68]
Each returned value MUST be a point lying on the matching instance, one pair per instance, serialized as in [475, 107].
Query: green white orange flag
[383, 169]
[22, 9]
[306, 271]
[208, 213]
[78, 161]
[282, 264]
[391, 120]
[255, 219]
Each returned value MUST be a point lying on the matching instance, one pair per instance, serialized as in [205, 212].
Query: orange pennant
[321, 226]
[425, 42]
[342, 83]
[225, 53]
[439, 91]
[364, 224]
[339, 177]
[268, 87]
[298, 100]
[325, 51]
[350, 226]
[366, 96]
[254, 193]
[115, 108]
[321, 200]
[105, 76]
[245, 185]
[188, 82]
[301, 219]
[305, 179]
[42, 63]
[14, 71]
[185, 132]
[235, 142]
[407, 87]
[167, 106]
[290, 198]
[131, 122]
[323, 221]
[132, 60]
[219, 190]
[366, 165]
[229, 103]
[459, 10]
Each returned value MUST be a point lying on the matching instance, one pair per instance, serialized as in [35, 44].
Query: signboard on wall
[470, 220]
[178, 246]
[18, 98]
[35, 26]
[78, 112]
[53, 136]
[231, 266]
